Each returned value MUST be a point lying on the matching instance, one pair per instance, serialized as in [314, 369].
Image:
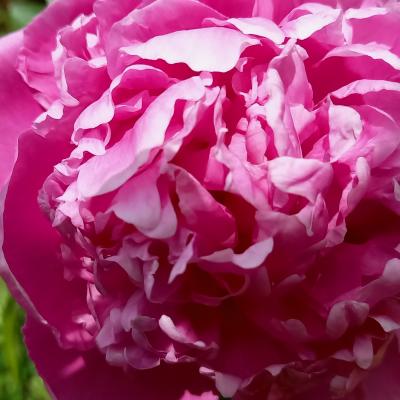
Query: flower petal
[69, 373]
[207, 49]
[32, 249]
[14, 97]
[35, 62]
[105, 173]
[302, 177]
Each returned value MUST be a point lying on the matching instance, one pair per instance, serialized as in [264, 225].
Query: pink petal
[386, 286]
[290, 67]
[237, 8]
[373, 24]
[345, 128]
[253, 26]
[375, 51]
[381, 94]
[208, 49]
[69, 373]
[109, 12]
[284, 88]
[364, 86]
[102, 111]
[303, 177]
[382, 381]
[35, 246]
[204, 396]
[14, 97]
[344, 315]
[363, 351]
[318, 16]
[153, 19]
[140, 203]
[105, 173]
[251, 258]
[202, 213]
[35, 61]
[180, 265]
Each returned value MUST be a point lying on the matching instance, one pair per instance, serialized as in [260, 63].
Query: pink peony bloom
[202, 198]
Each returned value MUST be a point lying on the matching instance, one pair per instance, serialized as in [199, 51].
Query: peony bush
[202, 198]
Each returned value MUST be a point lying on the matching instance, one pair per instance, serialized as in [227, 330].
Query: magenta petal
[237, 8]
[105, 173]
[382, 381]
[301, 177]
[31, 245]
[71, 374]
[14, 97]
[35, 61]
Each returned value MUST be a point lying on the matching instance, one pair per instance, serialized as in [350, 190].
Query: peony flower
[202, 198]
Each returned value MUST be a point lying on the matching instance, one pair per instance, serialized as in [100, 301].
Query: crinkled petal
[105, 173]
[35, 61]
[69, 373]
[102, 111]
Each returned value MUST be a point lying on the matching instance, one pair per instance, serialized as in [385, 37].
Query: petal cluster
[210, 189]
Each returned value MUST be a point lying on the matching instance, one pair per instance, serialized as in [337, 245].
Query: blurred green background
[18, 378]
[14, 14]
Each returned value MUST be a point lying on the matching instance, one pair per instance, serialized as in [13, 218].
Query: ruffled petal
[35, 61]
[69, 374]
[105, 173]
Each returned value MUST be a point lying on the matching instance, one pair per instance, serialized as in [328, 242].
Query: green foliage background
[14, 14]
[18, 378]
